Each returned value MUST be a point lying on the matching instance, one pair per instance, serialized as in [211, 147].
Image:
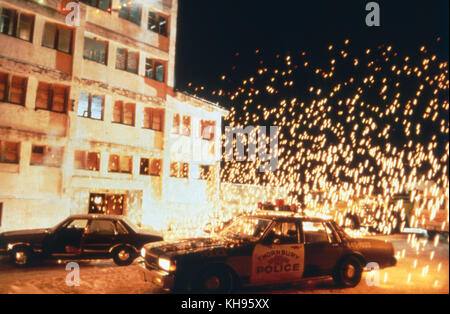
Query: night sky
[210, 32]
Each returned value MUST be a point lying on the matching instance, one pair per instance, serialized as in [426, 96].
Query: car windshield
[246, 228]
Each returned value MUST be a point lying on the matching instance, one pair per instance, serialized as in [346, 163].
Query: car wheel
[123, 256]
[348, 272]
[21, 256]
[216, 280]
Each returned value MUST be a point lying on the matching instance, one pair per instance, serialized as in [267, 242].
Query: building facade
[90, 121]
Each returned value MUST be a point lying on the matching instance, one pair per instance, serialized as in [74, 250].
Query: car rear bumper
[160, 278]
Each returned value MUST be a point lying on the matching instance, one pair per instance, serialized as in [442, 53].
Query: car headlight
[166, 264]
[143, 252]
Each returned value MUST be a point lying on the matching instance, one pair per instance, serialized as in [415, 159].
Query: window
[314, 232]
[151, 167]
[102, 227]
[12, 88]
[104, 5]
[127, 61]
[123, 164]
[154, 70]
[153, 118]
[145, 166]
[52, 97]
[155, 169]
[16, 24]
[186, 126]
[57, 37]
[157, 23]
[124, 113]
[87, 160]
[284, 233]
[46, 156]
[131, 11]
[179, 169]
[176, 124]
[9, 152]
[90, 106]
[205, 172]
[95, 50]
[207, 129]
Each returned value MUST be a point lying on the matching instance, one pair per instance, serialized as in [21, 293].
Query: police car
[261, 249]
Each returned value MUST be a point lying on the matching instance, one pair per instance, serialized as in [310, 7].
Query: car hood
[191, 245]
[24, 235]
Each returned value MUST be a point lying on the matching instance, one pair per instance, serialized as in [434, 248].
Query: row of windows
[132, 11]
[52, 97]
[126, 60]
[52, 156]
[21, 25]
[207, 128]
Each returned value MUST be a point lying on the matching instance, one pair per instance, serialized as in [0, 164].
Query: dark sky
[210, 32]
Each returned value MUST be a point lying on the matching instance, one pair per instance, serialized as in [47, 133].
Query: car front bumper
[160, 278]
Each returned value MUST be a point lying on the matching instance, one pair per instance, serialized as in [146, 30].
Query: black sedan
[264, 249]
[78, 237]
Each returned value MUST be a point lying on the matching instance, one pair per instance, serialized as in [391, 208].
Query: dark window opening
[130, 11]
[95, 50]
[16, 24]
[157, 23]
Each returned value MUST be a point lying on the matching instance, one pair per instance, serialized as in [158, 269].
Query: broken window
[87, 160]
[12, 88]
[17, 24]
[153, 119]
[131, 11]
[95, 50]
[154, 70]
[9, 152]
[52, 97]
[57, 37]
[186, 126]
[104, 5]
[157, 23]
[127, 60]
[90, 106]
[46, 156]
[207, 129]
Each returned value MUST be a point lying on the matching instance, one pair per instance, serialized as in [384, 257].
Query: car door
[66, 240]
[99, 238]
[322, 248]
[279, 256]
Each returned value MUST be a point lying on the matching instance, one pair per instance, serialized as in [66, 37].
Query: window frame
[51, 97]
[9, 87]
[16, 24]
[105, 42]
[89, 108]
[58, 28]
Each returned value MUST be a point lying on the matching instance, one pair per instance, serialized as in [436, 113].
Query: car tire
[215, 280]
[21, 256]
[123, 256]
[348, 272]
